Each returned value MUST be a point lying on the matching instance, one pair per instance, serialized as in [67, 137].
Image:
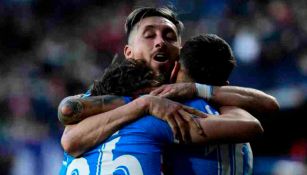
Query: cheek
[175, 47]
[142, 50]
[139, 53]
[175, 53]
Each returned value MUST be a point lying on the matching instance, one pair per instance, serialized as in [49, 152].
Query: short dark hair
[208, 59]
[140, 13]
[125, 77]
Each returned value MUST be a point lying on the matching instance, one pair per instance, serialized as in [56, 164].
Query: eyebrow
[150, 27]
[147, 27]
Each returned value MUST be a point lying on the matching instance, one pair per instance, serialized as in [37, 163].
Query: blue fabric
[137, 148]
[212, 159]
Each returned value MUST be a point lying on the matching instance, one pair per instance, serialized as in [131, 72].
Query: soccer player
[159, 62]
[137, 147]
[206, 59]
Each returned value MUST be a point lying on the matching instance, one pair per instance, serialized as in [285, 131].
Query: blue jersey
[217, 159]
[135, 149]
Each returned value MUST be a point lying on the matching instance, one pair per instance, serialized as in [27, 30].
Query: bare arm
[73, 109]
[91, 131]
[80, 137]
[101, 116]
[249, 99]
[232, 125]
[252, 100]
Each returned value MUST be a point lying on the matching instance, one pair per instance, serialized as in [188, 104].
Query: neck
[183, 77]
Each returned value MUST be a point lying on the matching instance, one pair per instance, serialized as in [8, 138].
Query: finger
[169, 94]
[195, 112]
[183, 128]
[166, 95]
[166, 90]
[143, 91]
[157, 91]
[197, 127]
[192, 121]
[172, 123]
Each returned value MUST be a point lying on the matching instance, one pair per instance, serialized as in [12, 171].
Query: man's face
[156, 40]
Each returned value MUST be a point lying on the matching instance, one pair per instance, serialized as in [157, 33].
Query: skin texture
[152, 36]
[232, 125]
[252, 100]
[80, 137]
[75, 109]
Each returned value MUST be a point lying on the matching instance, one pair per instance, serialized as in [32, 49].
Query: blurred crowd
[50, 49]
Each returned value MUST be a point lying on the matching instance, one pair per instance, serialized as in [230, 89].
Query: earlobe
[175, 71]
[128, 51]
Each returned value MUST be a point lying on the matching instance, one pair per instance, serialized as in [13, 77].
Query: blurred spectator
[53, 49]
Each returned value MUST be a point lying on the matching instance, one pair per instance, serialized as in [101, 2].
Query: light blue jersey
[135, 149]
[217, 159]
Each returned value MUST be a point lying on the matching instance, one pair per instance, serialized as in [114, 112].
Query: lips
[161, 57]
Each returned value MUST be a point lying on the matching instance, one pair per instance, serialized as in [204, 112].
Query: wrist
[204, 91]
[143, 104]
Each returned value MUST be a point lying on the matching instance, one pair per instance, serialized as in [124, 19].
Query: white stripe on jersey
[224, 159]
[249, 162]
[239, 159]
[99, 160]
[207, 107]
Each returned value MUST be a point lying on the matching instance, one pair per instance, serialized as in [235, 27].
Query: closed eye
[149, 34]
[170, 35]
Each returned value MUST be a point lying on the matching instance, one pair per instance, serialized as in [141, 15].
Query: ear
[226, 83]
[175, 71]
[128, 51]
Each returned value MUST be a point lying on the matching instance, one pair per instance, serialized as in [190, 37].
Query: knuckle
[190, 119]
[178, 106]
[181, 125]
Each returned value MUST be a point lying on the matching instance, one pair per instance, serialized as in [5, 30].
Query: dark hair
[143, 12]
[125, 78]
[208, 59]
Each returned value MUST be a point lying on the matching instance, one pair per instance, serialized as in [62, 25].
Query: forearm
[74, 109]
[249, 99]
[232, 126]
[91, 131]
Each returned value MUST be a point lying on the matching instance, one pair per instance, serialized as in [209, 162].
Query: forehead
[156, 22]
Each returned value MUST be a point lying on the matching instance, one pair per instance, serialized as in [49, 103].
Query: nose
[159, 42]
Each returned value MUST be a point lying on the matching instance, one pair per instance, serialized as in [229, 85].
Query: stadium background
[50, 49]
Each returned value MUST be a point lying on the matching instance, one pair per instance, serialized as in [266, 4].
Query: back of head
[143, 12]
[125, 78]
[208, 59]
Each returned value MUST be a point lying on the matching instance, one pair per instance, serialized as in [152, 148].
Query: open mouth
[161, 57]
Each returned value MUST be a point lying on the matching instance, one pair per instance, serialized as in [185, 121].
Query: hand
[180, 118]
[176, 91]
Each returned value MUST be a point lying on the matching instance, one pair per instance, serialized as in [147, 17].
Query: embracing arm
[233, 125]
[73, 109]
[250, 99]
[91, 131]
